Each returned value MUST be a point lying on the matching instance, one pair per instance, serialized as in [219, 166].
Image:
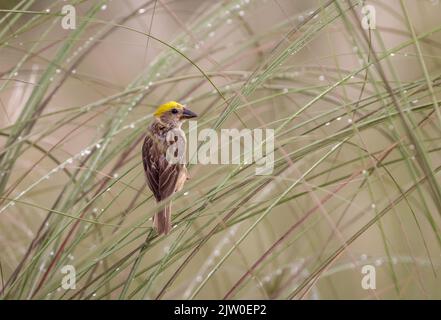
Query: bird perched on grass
[165, 175]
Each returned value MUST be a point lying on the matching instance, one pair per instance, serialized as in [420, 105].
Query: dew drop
[294, 270]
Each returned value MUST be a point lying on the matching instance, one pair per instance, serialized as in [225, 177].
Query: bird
[165, 144]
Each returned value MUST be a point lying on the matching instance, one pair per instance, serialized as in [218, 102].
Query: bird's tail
[162, 220]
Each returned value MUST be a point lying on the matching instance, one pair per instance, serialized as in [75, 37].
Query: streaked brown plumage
[163, 177]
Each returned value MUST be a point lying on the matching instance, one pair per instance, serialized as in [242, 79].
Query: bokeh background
[356, 182]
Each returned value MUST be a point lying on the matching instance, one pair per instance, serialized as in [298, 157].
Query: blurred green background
[356, 182]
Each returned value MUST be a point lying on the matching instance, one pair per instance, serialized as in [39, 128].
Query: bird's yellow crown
[167, 107]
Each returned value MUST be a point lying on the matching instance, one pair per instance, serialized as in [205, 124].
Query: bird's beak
[188, 114]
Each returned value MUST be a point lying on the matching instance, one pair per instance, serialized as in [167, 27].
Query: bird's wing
[168, 179]
[161, 175]
[150, 160]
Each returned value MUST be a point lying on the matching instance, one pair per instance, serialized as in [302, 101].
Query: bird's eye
[174, 111]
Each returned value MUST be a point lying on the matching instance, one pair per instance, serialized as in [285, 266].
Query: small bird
[165, 176]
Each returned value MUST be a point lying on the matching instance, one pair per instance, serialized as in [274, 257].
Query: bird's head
[173, 113]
